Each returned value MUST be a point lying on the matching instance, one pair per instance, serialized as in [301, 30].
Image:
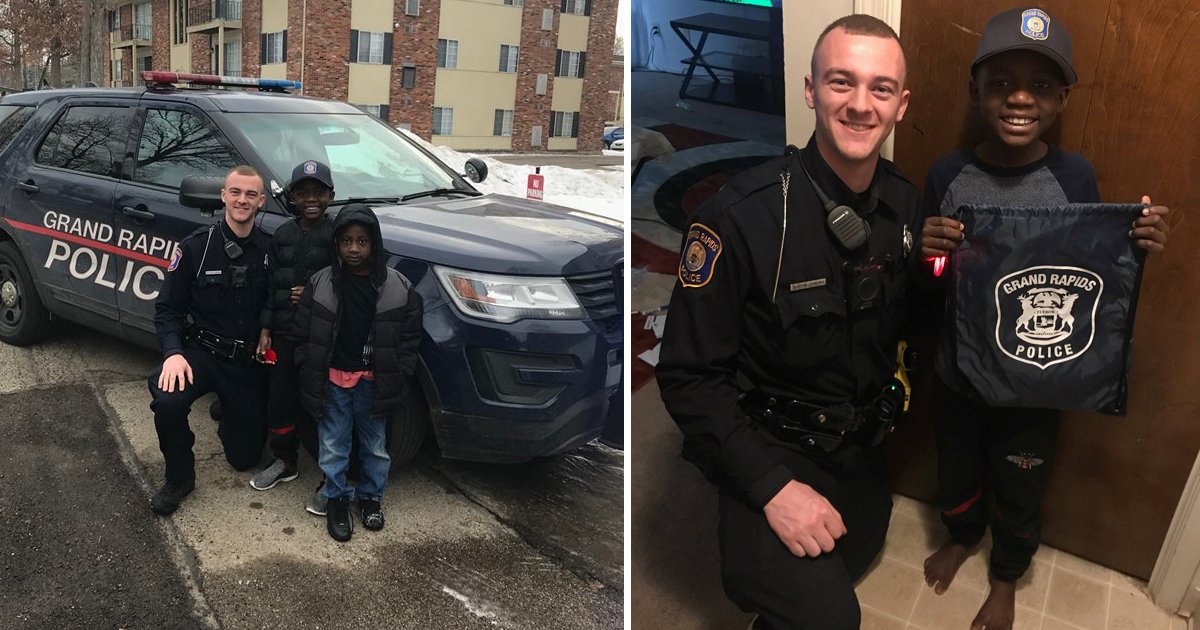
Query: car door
[172, 140]
[61, 203]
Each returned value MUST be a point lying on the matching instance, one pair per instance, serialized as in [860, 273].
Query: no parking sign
[535, 187]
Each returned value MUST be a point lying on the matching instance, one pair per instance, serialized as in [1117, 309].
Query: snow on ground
[591, 190]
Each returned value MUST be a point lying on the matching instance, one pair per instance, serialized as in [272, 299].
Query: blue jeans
[348, 414]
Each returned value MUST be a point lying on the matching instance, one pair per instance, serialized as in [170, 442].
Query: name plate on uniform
[807, 284]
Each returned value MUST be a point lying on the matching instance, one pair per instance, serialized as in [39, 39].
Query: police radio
[850, 230]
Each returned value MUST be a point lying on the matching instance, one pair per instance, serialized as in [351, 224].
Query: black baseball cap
[311, 169]
[1027, 29]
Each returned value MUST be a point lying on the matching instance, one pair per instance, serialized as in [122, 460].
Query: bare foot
[942, 566]
[999, 609]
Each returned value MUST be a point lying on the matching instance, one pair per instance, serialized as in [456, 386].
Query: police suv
[522, 349]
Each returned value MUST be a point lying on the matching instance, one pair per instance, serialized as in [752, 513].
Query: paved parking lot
[537, 545]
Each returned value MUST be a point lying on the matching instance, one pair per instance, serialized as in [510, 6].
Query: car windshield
[368, 160]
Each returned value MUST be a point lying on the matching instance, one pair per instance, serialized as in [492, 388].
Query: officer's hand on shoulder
[175, 369]
[1150, 230]
[940, 236]
[804, 521]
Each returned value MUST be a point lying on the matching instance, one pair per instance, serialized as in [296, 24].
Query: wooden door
[1135, 113]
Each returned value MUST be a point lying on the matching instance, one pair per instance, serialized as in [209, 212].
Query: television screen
[754, 3]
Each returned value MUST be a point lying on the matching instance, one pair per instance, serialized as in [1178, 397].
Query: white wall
[802, 24]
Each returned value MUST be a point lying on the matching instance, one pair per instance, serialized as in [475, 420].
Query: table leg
[696, 60]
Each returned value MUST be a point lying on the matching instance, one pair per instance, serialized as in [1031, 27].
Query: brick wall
[599, 77]
[537, 56]
[251, 44]
[414, 42]
[160, 36]
[326, 51]
[201, 53]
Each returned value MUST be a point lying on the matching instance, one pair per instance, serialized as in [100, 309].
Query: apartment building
[504, 75]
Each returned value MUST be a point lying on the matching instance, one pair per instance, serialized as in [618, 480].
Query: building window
[564, 124]
[273, 47]
[368, 47]
[535, 136]
[117, 73]
[577, 7]
[379, 111]
[569, 64]
[412, 7]
[179, 22]
[405, 126]
[514, 3]
[503, 124]
[233, 58]
[144, 63]
[508, 58]
[114, 20]
[443, 121]
[447, 53]
[540, 88]
[408, 77]
[547, 19]
[141, 21]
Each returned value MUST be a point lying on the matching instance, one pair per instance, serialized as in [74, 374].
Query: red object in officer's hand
[268, 356]
[939, 265]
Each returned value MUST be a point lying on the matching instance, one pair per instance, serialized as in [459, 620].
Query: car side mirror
[476, 170]
[201, 191]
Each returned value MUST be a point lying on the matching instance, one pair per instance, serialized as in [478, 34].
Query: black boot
[168, 497]
[337, 519]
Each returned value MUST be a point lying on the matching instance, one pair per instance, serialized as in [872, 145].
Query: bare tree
[37, 34]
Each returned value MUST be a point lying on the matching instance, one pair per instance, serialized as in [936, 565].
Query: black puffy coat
[295, 256]
[397, 325]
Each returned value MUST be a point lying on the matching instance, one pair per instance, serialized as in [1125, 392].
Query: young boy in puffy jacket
[359, 326]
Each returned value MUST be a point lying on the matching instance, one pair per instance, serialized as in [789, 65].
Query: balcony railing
[133, 31]
[204, 12]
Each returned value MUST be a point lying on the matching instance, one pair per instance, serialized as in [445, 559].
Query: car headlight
[509, 298]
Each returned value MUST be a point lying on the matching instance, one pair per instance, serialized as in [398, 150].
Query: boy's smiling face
[1019, 94]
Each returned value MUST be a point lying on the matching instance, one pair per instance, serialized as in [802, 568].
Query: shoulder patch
[175, 258]
[700, 254]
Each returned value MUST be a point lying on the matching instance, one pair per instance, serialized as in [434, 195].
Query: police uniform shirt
[203, 282]
[723, 327]
[960, 178]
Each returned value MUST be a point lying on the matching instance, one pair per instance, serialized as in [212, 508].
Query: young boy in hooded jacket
[359, 326]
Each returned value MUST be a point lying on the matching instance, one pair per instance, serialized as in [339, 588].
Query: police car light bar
[160, 78]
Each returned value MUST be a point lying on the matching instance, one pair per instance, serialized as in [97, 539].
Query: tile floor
[1060, 591]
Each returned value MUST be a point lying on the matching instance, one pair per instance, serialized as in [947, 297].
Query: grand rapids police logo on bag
[1046, 315]
[1043, 305]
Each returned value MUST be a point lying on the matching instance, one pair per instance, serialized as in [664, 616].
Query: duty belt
[220, 347]
[824, 428]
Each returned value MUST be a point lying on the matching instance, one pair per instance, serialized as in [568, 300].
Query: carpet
[686, 187]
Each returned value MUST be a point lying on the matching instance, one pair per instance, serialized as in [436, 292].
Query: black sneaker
[337, 519]
[372, 514]
[168, 497]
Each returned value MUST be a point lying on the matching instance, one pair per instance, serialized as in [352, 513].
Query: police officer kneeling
[780, 342]
[207, 320]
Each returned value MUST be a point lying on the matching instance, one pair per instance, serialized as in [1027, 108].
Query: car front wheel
[23, 317]
[410, 424]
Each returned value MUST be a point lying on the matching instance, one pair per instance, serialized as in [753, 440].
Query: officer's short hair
[245, 170]
[857, 24]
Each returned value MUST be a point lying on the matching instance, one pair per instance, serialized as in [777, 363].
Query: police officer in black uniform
[780, 346]
[207, 319]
